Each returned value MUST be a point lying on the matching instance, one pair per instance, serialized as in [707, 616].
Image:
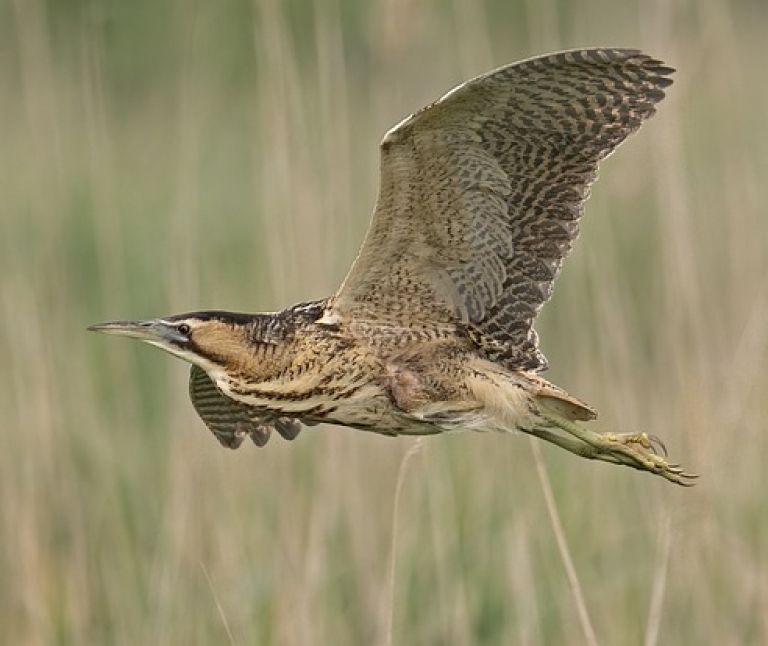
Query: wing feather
[482, 191]
[231, 421]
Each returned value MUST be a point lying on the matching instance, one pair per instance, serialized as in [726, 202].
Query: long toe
[653, 463]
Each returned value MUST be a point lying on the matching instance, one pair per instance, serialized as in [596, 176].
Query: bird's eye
[184, 329]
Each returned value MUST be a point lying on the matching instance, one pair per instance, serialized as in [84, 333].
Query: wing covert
[481, 194]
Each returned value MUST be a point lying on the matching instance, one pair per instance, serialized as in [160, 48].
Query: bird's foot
[637, 450]
[622, 449]
[643, 440]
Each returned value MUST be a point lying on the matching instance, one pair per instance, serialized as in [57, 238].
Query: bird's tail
[516, 399]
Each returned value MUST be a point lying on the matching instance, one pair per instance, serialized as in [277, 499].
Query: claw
[655, 442]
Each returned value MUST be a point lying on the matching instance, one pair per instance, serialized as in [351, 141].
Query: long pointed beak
[150, 330]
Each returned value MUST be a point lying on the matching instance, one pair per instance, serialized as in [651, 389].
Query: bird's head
[211, 340]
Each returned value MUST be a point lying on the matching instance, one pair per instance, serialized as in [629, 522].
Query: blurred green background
[159, 157]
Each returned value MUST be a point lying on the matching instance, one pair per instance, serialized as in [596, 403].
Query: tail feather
[560, 403]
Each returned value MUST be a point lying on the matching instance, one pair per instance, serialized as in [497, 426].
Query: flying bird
[481, 194]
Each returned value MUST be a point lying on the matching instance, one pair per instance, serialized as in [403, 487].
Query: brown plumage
[480, 198]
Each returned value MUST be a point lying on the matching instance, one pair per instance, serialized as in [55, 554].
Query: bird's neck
[260, 347]
[272, 370]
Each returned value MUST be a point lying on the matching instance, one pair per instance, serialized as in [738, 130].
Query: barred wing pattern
[230, 421]
[482, 191]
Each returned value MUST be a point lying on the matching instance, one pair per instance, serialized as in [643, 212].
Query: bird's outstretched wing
[230, 421]
[481, 194]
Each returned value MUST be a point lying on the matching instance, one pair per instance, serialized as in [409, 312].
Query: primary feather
[481, 194]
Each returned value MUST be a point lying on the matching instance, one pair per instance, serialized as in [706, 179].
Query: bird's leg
[613, 447]
[567, 442]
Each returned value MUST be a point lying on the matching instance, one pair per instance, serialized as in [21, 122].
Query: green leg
[567, 442]
[612, 447]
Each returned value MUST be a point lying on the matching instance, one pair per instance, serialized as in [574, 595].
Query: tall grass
[162, 157]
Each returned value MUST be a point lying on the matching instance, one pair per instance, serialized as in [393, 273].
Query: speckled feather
[482, 191]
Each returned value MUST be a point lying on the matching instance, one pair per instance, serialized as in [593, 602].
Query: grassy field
[165, 157]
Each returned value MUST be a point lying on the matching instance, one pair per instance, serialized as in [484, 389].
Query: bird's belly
[367, 408]
[351, 400]
[362, 398]
[360, 404]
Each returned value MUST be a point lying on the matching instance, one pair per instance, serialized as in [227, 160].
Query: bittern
[481, 194]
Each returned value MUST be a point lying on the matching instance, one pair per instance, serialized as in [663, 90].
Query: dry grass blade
[389, 605]
[562, 546]
[219, 607]
[656, 607]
